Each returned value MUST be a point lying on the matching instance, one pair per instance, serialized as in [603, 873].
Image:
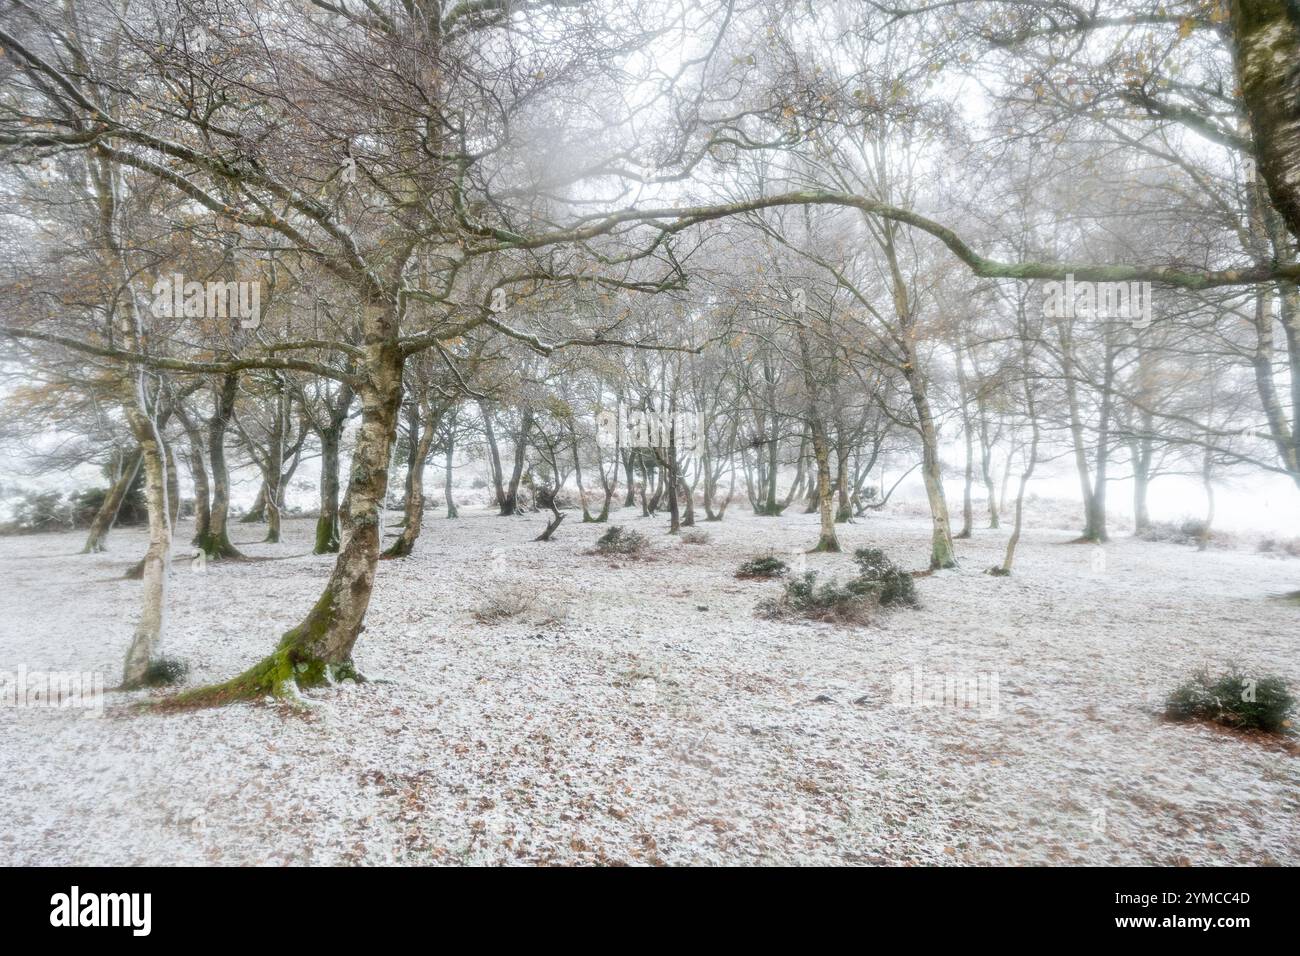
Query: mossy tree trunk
[319, 649]
[1031, 460]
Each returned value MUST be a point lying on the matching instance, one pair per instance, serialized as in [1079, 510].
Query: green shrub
[165, 670]
[768, 566]
[617, 540]
[830, 601]
[878, 575]
[1235, 700]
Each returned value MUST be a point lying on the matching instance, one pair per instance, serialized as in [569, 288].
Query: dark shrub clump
[830, 601]
[1235, 700]
[617, 540]
[878, 575]
[164, 671]
[769, 566]
[879, 583]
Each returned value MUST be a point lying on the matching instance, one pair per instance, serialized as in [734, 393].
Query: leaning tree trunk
[112, 504]
[319, 650]
[942, 552]
[1028, 473]
[731, 493]
[257, 513]
[494, 456]
[510, 502]
[413, 518]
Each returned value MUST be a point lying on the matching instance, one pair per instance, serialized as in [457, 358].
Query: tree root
[291, 668]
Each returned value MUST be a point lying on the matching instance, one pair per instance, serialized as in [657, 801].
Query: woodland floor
[661, 721]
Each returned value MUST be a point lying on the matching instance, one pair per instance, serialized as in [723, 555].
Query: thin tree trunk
[827, 541]
[157, 560]
[106, 516]
[447, 471]
[217, 543]
[414, 511]
[327, 521]
[494, 457]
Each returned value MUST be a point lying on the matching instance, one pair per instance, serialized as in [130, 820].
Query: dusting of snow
[658, 720]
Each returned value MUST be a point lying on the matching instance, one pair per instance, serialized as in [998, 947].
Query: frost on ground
[645, 715]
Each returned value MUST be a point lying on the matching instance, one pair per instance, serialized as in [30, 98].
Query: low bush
[768, 566]
[1271, 545]
[164, 671]
[878, 575]
[829, 601]
[619, 541]
[695, 537]
[1235, 700]
[879, 583]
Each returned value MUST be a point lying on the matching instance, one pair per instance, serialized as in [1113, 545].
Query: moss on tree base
[217, 547]
[327, 536]
[398, 549]
[292, 667]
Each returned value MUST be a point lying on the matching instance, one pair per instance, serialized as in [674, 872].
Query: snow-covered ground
[660, 720]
